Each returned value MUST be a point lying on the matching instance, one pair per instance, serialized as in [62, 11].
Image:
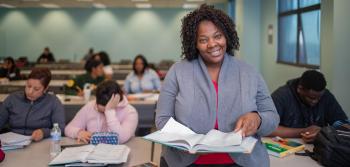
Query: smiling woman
[211, 89]
[33, 111]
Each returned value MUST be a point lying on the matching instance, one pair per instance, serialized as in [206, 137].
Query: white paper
[175, 127]
[11, 138]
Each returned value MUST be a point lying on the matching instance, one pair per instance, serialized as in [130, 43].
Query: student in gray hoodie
[33, 111]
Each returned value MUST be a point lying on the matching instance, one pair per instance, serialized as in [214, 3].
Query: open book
[179, 136]
[101, 153]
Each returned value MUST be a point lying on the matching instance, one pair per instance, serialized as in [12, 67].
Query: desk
[55, 86]
[38, 153]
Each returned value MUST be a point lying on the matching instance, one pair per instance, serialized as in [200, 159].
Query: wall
[69, 33]
[248, 29]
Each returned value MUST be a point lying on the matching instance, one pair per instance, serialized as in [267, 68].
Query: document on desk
[102, 153]
[176, 135]
[12, 140]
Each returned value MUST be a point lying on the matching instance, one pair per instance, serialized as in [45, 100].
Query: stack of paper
[12, 141]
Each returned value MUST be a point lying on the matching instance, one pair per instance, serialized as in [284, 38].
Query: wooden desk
[38, 153]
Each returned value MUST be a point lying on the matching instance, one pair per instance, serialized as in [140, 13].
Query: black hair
[12, 61]
[104, 58]
[313, 79]
[144, 61]
[90, 64]
[105, 90]
[190, 25]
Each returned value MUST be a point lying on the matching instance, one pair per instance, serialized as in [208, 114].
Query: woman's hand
[248, 124]
[84, 136]
[37, 135]
[113, 102]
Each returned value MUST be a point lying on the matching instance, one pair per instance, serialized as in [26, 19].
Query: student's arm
[4, 113]
[266, 109]
[79, 121]
[127, 84]
[125, 127]
[283, 131]
[57, 116]
[155, 80]
[334, 111]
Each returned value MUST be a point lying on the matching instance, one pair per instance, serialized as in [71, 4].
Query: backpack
[332, 147]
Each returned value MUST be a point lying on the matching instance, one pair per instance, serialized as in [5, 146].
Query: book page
[109, 154]
[175, 127]
[246, 146]
[73, 154]
[216, 138]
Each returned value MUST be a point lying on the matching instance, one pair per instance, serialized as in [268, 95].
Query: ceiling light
[6, 5]
[143, 5]
[190, 6]
[99, 5]
[49, 5]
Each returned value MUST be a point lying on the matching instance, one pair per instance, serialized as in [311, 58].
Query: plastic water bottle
[55, 148]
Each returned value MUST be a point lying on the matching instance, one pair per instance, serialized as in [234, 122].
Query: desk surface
[37, 153]
[53, 83]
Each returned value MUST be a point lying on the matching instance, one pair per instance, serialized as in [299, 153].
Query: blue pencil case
[104, 137]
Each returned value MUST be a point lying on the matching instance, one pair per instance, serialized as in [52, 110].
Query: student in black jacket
[33, 111]
[305, 105]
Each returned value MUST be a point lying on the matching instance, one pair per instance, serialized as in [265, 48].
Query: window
[299, 32]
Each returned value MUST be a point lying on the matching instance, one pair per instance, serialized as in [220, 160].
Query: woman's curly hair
[190, 27]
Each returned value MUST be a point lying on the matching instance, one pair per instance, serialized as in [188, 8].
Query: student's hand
[37, 135]
[248, 124]
[309, 133]
[84, 136]
[113, 102]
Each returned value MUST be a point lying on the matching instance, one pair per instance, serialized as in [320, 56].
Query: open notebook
[179, 136]
[101, 153]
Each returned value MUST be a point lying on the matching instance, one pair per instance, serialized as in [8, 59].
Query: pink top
[122, 120]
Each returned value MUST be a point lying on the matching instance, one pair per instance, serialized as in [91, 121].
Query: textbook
[181, 137]
[279, 147]
[99, 154]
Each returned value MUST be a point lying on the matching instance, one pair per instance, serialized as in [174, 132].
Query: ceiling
[104, 3]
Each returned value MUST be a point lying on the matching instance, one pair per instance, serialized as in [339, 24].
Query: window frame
[298, 12]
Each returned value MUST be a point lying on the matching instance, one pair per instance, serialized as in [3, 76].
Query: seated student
[107, 68]
[94, 76]
[110, 112]
[305, 105]
[46, 56]
[9, 70]
[142, 78]
[33, 111]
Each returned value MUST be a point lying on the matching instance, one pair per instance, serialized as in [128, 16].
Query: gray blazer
[188, 95]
